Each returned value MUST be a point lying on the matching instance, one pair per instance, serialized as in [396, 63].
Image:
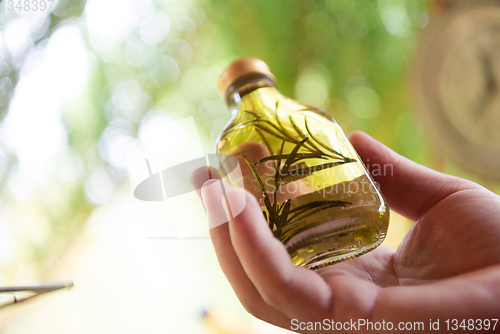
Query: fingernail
[204, 188]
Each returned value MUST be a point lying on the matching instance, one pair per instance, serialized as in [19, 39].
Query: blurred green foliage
[359, 50]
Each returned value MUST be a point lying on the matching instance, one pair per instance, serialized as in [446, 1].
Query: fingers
[242, 286]
[297, 292]
[202, 175]
[410, 189]
[253, 151]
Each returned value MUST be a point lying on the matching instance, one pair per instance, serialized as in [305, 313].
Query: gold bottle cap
[241, 67]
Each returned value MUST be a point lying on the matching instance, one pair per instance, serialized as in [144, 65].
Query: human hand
[447, 267]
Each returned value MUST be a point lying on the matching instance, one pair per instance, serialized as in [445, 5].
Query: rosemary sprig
[276, 175]
[269, 148]
[288, 162]
[283, 129]
[290, 168]
[242, 125]
[280, 132]
[302, 135]
[320, 143]
[271, 132]
[315, 205]
[284, 215]
[299, 156]
[267, 202]
[303, 172]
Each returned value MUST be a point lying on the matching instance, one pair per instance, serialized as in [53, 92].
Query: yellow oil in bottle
[314, 191]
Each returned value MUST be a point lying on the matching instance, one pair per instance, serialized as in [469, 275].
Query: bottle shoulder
[269, 103]
[271, 115]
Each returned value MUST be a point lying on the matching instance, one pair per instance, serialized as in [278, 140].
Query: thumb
[409, 188]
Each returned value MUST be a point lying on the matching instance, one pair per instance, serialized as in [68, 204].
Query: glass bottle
[314, 191]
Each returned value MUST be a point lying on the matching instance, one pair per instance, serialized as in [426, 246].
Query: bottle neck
[245, 85]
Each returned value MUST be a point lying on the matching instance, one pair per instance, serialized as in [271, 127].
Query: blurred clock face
[470, 86]
[457, 85]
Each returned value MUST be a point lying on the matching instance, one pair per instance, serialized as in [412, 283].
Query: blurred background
[80, 79]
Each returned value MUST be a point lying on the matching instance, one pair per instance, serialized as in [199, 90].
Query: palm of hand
[459, 234]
